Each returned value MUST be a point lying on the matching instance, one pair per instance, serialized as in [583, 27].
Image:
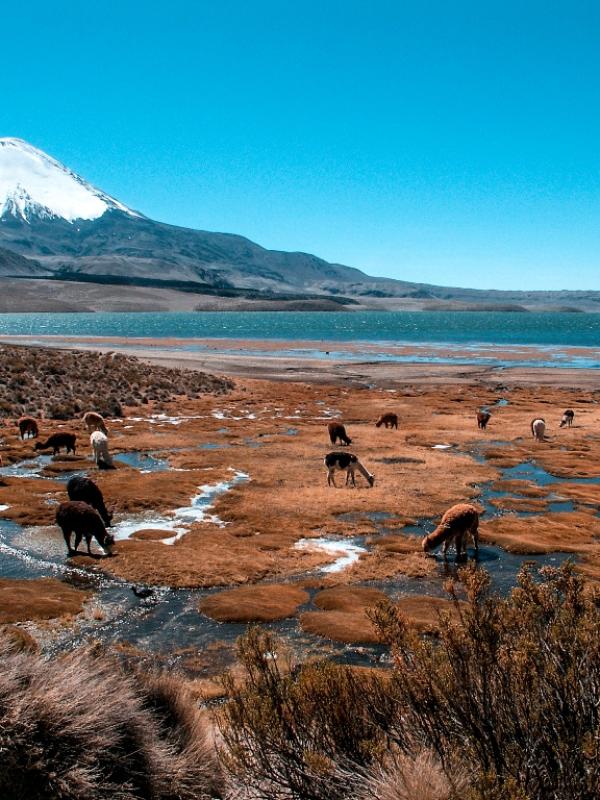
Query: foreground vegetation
[503, 705]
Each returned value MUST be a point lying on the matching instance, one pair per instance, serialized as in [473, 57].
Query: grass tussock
[502, 705]
[62, 384]
[78, 728]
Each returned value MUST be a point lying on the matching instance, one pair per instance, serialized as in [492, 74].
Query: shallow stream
[167, 620]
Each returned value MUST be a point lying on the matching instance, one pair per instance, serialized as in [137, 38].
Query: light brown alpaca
[28, 426]
[538, 429]
[456, 525]
[94, 422]
[389, 420]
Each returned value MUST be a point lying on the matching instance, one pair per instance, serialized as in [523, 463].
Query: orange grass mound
[423, 612]
[344, 617]
[519, 503]
[41, 598]
[254, 603]
[27, 500]
[524, 488]
[152, 534]
[560, 532]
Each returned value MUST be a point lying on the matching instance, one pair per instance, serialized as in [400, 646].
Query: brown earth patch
[39, 598]
[254, 603]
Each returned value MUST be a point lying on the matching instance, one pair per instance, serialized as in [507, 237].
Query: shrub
[510, 691]
[503, 705]
[286, 734]
[78, 728]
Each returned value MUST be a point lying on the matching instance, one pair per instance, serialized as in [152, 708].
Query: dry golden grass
[39, 598]
[265, 603]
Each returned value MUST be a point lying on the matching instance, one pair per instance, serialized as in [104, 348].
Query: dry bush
[78, 728]
[503, 705]
[510, 690]
[411, 777]
[60, 384]
[286, 735]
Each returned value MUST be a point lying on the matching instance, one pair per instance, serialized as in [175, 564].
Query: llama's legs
[88, 540]
[330, 478]
[475, 535]
[445, 547]
[67, 535]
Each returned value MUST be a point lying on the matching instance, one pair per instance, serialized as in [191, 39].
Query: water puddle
[178, 522]
[529, 470]
[143, 461]
[348, 551]
[43, 466]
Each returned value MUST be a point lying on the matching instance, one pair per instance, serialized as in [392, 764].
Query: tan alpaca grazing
[538, 429]
[389, 420]
[94, 422]
[459, 522]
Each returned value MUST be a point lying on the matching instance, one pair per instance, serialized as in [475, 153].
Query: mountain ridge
[65, 227]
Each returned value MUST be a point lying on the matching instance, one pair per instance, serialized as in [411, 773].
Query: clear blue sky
[454, 143]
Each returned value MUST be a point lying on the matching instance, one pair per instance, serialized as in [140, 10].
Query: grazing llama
[77, 517]
[84, 489]
[483, 417]
[103, 458]
[94, 422]
[567, 418]
[338, 431]
[28, 427]
[56, 441]
[348, 463]
[389, 420]
[459, 522]
[538, 429]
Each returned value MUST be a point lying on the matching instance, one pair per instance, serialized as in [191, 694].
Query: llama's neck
[364, 471]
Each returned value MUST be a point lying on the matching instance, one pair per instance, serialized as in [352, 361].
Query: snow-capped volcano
[32, 184]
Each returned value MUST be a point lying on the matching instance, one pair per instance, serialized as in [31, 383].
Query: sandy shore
[271, 360]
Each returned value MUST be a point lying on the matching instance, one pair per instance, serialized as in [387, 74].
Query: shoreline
[319, 362]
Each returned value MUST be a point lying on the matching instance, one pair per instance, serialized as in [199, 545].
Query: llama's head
[371, 479]
[108, 544]
[38, 446]
[426, 544]
[348, 440]
[379, 423]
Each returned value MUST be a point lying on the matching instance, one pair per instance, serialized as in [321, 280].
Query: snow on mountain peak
[32, 184]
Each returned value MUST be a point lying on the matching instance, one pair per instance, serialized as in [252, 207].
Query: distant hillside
[53, 224]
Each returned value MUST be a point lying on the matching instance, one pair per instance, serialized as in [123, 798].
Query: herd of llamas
[86, 516]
